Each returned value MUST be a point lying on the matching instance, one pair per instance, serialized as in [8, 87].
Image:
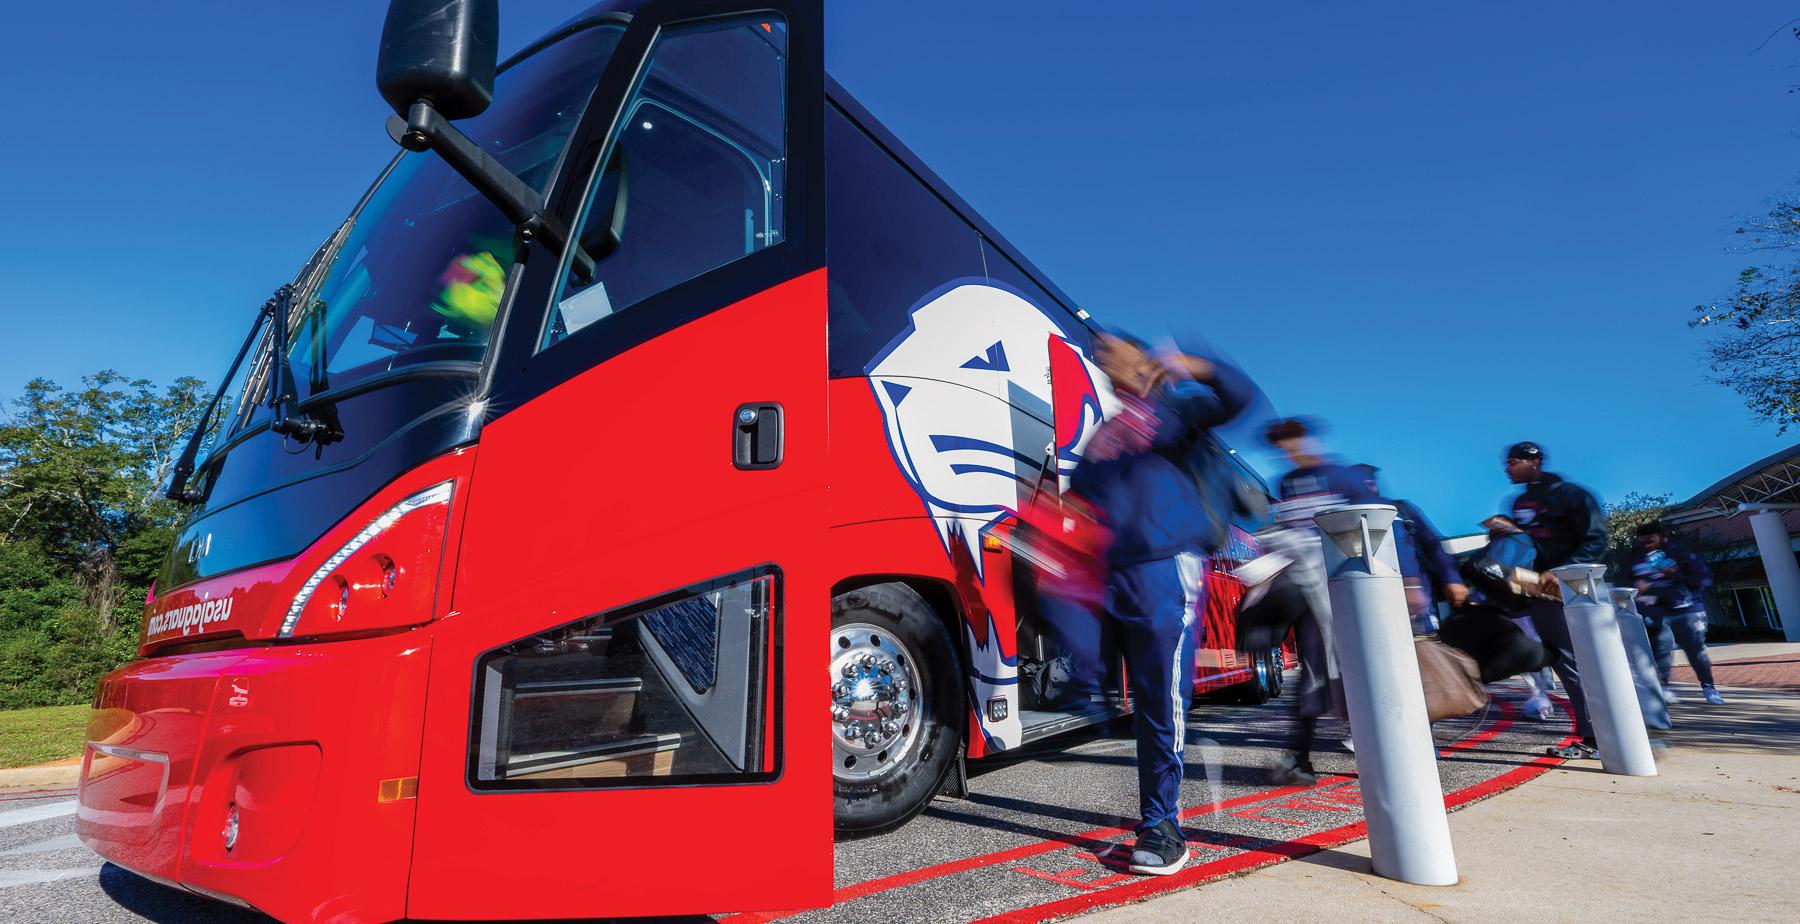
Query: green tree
[1622, 520]
[1753, 344]
[83, 526]
[82, 473]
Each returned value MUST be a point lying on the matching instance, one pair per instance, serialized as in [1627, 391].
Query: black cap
[1525, 450]
[1652, 528]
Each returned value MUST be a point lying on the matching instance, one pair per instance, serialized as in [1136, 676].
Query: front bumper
[313, 746]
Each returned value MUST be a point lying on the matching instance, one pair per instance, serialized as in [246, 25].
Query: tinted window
[893, 241]
[420, 275]
[696, 176]
[669, 691]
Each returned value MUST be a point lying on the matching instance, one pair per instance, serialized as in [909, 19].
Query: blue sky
[1441, 226]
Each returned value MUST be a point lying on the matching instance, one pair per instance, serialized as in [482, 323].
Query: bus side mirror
[440, 52]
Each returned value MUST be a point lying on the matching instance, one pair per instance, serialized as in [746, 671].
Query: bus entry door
[629, 706]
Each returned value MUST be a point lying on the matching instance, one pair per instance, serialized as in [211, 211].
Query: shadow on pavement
[157, 902]
[1751, 720]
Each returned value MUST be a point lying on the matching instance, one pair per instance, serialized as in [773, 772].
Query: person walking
[1566, 525]
[1316, 483]
[1139, 470]
[1509, 548]
[1426, 570]
[1670, 580]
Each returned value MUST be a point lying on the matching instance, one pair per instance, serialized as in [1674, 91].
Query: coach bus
[633, 473]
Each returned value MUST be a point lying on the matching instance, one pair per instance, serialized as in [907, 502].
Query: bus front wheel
[896, 706]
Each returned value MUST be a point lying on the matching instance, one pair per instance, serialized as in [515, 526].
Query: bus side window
[695, 177]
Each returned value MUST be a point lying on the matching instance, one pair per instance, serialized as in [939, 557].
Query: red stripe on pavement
[1094, 839]
[1195, 875]
[1257, 858]
[1249, 860]
[1504, 722]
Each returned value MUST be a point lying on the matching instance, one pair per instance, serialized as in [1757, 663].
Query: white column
[1606, 683]
[1778, 562]
[1396, 761]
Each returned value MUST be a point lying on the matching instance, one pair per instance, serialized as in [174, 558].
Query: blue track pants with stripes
[1157, 607]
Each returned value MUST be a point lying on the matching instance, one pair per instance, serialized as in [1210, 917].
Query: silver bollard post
[1642, 658]
[1396, 760]
[1612, 703]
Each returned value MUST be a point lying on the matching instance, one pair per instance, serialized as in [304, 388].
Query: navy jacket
[1306, 491]
[1676, 577]
[1150, 498]
[1432, 562]
[1563, 519]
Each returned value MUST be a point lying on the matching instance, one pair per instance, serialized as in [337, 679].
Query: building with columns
[1747, 525]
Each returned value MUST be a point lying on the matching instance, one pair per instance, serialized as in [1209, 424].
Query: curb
[57, 773]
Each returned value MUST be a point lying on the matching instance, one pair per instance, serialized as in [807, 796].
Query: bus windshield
[420, 275]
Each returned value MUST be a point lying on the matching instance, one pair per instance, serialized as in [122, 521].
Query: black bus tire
[1255, 691]
[1277, 665]
[894, 618]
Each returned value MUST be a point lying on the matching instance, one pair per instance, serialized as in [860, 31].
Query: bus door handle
[756, 436]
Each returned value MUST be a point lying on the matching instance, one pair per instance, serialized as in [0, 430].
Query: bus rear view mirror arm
[437, 63]
[425, 129]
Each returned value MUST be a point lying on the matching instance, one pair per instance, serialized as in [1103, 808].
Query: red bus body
[526, 622]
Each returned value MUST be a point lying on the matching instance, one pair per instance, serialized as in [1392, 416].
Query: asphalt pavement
[1709, 838]
[1036, 839]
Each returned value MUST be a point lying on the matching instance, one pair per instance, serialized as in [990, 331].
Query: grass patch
[33, 736]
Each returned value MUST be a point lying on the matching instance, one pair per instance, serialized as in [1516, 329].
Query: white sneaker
[1669, 696]
[1540, 707]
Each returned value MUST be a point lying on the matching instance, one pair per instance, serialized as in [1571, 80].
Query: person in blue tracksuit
[1139, 472]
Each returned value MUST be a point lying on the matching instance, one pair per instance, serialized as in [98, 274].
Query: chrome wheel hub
[875, 705]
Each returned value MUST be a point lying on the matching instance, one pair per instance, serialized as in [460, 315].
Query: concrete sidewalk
[1710, 838]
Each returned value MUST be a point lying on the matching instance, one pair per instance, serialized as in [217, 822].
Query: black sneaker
[1585, 749]
[1160, 850]
[1290, 770]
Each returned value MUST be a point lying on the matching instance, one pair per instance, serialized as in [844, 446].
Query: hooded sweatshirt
[1563, 519]
[1676, 577]
[1131, 469]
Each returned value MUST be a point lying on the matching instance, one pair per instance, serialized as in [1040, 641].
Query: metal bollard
[1612, 703]
[1642, 658]
[1396, 760]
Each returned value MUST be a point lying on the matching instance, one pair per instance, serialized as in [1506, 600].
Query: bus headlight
[386, 574]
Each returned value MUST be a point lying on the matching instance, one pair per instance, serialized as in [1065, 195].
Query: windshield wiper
[184, 467]
[287, 417]
[284, 404]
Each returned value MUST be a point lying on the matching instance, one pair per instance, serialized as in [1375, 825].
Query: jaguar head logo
[979, 394]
